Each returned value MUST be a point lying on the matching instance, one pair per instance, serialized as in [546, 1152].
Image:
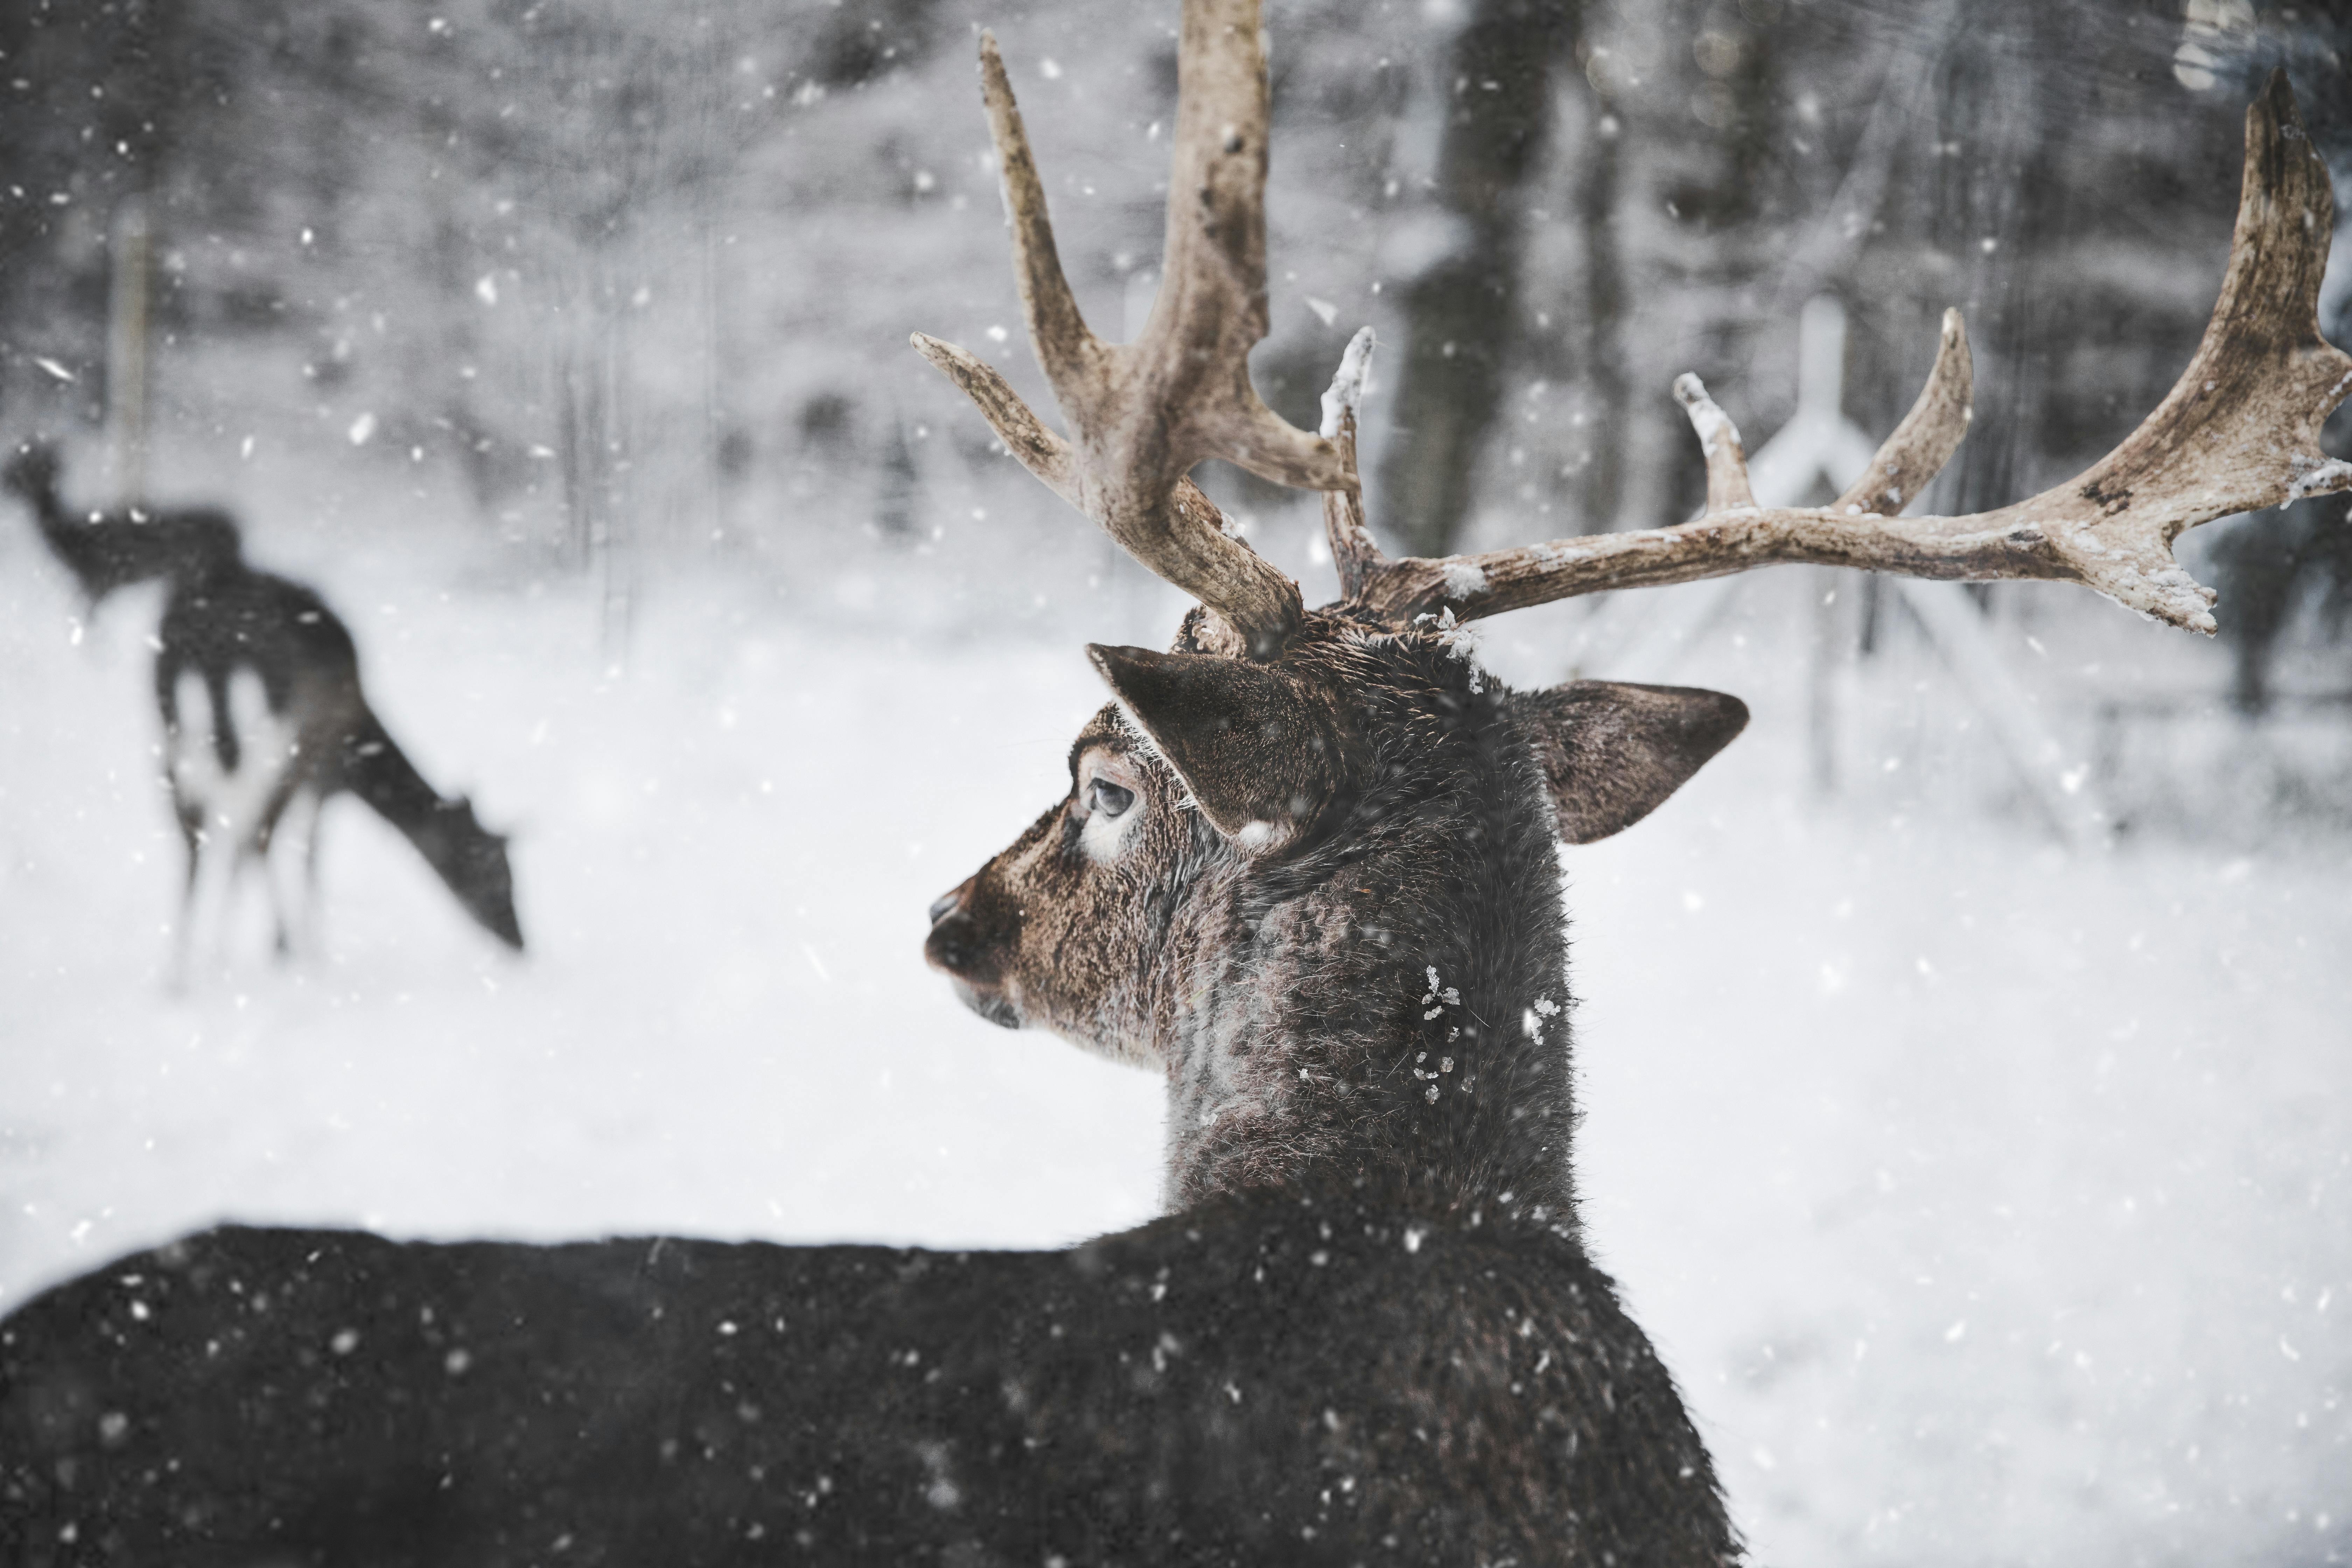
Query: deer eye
[1105, 798]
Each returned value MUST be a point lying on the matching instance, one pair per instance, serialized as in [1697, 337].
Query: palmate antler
[2239, 430]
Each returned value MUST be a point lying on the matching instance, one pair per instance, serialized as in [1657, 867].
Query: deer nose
[953, 945]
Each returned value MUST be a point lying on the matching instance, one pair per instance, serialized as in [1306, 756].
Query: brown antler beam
[2238, 431]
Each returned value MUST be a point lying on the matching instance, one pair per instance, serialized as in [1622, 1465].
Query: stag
[1305, 869]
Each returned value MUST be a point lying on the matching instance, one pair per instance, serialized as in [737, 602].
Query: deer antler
[2240, 430]
[1142, 414]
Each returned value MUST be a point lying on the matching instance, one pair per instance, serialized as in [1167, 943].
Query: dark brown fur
[1285, 989]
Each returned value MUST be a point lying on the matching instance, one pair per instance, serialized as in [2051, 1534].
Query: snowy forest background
[1966, 1053]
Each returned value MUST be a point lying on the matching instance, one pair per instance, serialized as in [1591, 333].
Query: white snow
[2106, 1125]
[1464, 579]
[1707, 416]
[724, 1025]
[1346, 393]
[2332, 474]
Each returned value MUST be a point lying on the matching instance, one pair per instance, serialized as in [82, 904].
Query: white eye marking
[1109, 794]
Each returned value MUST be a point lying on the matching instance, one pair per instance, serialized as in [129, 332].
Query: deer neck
[379, 773]
[49, 512]
[1390, 1017]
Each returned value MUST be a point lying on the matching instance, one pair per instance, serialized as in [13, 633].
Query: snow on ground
[1992, 1205]
[723, 857]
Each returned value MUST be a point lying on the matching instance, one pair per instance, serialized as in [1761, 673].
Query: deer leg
[262, 847]
[215, 856]
[248, 798]
[190, 768]
[281, 915]
[231, 853]
[313, 907]
[192, 836]
[291, 861]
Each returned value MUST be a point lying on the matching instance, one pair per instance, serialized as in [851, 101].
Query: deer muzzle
[961, 948]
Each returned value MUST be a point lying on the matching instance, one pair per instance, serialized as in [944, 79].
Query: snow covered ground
[1992, 1203]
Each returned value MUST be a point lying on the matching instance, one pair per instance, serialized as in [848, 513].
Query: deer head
[471, 860]
[1305, 864]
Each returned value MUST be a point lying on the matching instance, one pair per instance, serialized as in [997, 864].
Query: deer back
[1287, 1378]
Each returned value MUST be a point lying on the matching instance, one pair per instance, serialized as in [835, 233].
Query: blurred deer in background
[264, 721]
[1306, 867]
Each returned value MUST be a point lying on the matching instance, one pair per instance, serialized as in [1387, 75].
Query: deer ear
[1613, 753]
[1256, 748]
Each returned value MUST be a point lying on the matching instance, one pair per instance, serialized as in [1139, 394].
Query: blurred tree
[1461, 311]
[96, 99]
[594, 262]
[1674, 209]
[2266, 568]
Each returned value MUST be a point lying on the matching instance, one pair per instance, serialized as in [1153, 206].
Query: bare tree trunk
[579, 427]
[1605, 387]
[1464, 310]
[623, 542]
[713, 432]
[129, 374]
[616, 532]
[708, 197]
[1993, 105]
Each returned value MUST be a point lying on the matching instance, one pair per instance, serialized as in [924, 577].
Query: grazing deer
[264, 720]
[1305, 867]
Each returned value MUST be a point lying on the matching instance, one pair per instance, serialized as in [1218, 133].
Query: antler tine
[1352, 550]
[1212, 305]
[1058, 334]
[1040, 450]
[1050, 457]
[1142, 414]
[1719, 441]
[1928, 436]
[2240, 430]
